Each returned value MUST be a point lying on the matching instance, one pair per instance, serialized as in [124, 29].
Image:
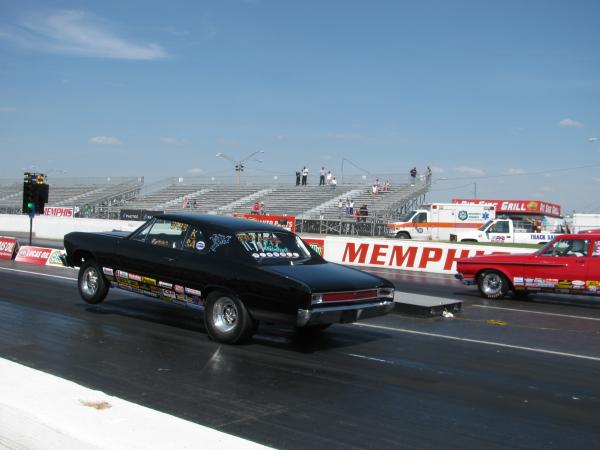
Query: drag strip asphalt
[390, 382]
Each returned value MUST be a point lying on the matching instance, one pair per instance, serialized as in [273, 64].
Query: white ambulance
[437, 221]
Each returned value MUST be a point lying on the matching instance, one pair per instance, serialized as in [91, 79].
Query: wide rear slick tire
[492, 284]
[92, 285]
[227, 320]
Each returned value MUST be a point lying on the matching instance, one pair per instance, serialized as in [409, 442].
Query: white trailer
[582, 222]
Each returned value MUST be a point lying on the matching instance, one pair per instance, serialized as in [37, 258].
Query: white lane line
[38, 273]
[477, 341]
[537, 312]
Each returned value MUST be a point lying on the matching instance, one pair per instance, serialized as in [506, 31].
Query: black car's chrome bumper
[343, 314]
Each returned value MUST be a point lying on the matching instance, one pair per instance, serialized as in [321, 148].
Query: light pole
[239, 164]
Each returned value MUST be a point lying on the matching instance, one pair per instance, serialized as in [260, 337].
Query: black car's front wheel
[492, 284]
[227, 320]
[93, 287]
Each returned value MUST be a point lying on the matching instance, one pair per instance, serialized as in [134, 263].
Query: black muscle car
[238, 271]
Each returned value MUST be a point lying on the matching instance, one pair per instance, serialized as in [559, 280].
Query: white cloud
[512, 171]
[195, 171]
[592, 139]
[469, 170]
[435, 169]
[172, 141]
[7, 109]
[570, 123]
[547, 175]
[596, 179]
[344, 136]
[105, 140]
[76, 33]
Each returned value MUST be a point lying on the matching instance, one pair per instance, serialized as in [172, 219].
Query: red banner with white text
[8, 247]
[33, 255]
[515, 206]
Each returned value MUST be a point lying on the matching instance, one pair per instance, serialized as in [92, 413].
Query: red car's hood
[515, 257]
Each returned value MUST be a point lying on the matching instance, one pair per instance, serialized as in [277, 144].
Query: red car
[570, 264]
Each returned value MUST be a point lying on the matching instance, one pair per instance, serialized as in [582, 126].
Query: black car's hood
[328, 277]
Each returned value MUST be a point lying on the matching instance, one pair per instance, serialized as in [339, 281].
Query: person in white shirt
[328, 177]
[304, 176]
[322, 176]
[333, 183]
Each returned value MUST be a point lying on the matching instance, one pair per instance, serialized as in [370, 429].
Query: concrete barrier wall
[424, 256]
[50, 227]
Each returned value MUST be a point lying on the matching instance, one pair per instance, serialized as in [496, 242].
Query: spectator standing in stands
[413, 175]
[194, 204]
[340, 205]
[297, 178]
[328, 177]
[322, 176]
[428, 174]
[186, 202]
[386, 186]
[262, 208]
[304, 176]
[255, 208]
[333, 183]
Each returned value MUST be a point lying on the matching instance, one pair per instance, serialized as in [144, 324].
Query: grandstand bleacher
[302, 201]
[106, 197]
[75, 192]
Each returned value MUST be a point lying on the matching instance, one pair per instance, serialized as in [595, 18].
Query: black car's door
[196, 263]
[153, 252]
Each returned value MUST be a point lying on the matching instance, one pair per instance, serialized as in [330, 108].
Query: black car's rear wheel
[227, 320]
[492, 284]
[93, 287]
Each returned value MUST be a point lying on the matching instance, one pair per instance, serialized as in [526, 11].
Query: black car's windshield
[273, 246]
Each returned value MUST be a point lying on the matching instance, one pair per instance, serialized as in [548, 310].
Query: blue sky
[482, 91]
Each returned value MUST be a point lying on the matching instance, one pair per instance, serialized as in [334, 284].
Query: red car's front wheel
[492, 284]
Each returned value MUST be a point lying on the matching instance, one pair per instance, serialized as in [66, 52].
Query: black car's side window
[195, 240]
[141, 234]
[167, 233]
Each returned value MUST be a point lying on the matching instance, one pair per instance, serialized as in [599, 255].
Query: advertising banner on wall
[59, 211]
[33, 255]
[56, 258]
[516, 206]
[287, 222]
[138, 214]
[406, 255]
[8, 247]
[318, 245]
